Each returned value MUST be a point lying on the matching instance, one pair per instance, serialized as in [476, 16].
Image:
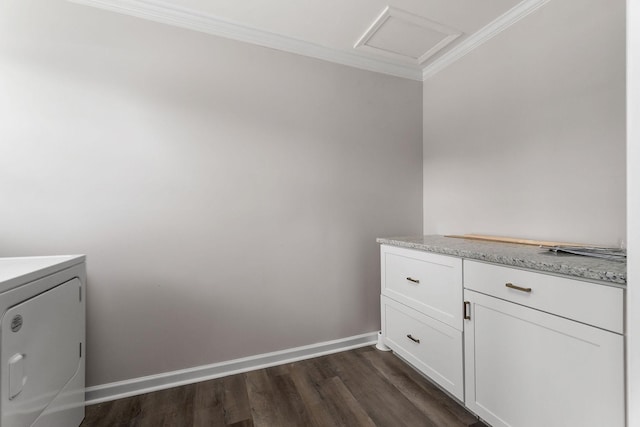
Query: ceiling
[406, 38]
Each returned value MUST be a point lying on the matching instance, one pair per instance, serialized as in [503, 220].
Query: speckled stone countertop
[523, 256]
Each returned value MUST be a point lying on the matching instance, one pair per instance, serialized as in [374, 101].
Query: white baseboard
[141, 385]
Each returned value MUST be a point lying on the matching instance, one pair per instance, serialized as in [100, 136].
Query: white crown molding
[148, 384]
[481, 36]
[166, 13]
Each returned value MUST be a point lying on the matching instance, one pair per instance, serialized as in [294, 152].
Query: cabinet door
[526, 368]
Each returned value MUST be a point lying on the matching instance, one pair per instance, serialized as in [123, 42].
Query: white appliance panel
[40, 350]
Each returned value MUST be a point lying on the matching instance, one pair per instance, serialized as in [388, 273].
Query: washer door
[40, 351]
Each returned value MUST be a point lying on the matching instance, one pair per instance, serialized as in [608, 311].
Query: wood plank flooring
[362, 387]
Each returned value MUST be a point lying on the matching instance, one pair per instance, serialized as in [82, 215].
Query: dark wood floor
[363, 387]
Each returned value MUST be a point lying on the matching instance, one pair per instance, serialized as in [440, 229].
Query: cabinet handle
[517, 288]
[411, 279]
[466, 310]
[413, 339]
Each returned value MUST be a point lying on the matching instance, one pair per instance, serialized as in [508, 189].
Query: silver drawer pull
[413, 339]
[411, 279]
[517, 288]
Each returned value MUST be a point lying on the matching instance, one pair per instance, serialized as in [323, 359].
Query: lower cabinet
[533, 349]
[527, 368]
[421, 313]
[428, 344]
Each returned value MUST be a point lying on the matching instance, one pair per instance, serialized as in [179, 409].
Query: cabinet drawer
[429, 345]
[427, 282]
[585, 302]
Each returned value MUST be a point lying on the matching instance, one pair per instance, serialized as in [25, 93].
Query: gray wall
[227, 196]
[525, 136]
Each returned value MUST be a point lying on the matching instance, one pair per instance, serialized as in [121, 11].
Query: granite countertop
[523, 256]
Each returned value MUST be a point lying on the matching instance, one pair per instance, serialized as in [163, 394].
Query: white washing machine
[42, 309]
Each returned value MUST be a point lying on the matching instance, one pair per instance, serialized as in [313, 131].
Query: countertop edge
[607, 278]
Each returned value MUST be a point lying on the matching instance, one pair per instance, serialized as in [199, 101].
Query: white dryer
[42, 320]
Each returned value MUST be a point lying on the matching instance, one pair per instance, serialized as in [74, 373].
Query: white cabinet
[537, 352]
[519, 348]
[421, 310]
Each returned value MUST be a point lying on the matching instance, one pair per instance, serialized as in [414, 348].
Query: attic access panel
[406, 36]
